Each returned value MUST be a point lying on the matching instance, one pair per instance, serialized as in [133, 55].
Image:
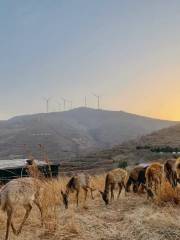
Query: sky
[126, 51]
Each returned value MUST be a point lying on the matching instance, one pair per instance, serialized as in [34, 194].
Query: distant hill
[161, 144]
[67, 134]
[165, 137]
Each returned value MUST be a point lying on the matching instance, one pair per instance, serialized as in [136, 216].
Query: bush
[122, 164]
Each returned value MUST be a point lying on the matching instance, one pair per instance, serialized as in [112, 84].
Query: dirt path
[129, 218]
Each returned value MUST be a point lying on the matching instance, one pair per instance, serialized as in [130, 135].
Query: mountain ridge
[92, 110]
[69, 133]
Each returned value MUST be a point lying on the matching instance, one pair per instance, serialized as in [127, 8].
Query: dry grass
[132, 217]
[168, 195]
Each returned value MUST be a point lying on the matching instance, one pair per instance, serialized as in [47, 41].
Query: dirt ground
[131, 217]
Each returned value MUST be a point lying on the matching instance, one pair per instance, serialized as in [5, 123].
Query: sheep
[170, 171]
[76, 183]
[20, 192]
[117, 176]
[178, 169]
[154, 175]
[136, 178]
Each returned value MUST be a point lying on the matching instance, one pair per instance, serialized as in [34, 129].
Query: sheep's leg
[155, 187]
[92, 193]
[9, 219]
[174, 180]
[112, 191]
[149, 182]
[85, 194]
[160, 183]
[142, 188]
[135, 188]
[41, 211]
[28, 210]
[128, 185]
[77, 198]
[120, 189]
[124, 186]
[13, 228]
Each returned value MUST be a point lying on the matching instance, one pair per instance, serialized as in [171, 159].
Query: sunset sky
[126, 51]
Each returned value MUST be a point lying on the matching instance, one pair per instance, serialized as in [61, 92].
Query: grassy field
[132, 217]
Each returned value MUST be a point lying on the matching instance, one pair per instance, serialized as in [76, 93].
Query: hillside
[66, 134]
[142, 149]
[165, 137]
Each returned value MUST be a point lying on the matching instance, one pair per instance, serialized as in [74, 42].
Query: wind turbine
[59, 106]
[64, 103]
[71, 104]
[98, 100]
[85, 101]
[47, 103]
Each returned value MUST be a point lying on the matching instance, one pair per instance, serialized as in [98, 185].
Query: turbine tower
[47, 103]
[64, 103]
[71, 104]
[59, 106]
[98, 100]
[85, 101]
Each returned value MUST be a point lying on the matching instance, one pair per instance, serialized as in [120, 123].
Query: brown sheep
[154, 175]
[136, 178]
[76, 183]
[178, 169]
[117, 176]
[170, 172]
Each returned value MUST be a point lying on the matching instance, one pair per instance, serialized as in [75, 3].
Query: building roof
[17, 163]
[144, 165]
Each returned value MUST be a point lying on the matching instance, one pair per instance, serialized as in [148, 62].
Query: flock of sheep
[26, 191]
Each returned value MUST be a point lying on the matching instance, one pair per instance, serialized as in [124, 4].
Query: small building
[15, 168]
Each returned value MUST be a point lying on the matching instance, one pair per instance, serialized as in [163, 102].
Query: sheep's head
[105, 197]
[150, 194]
[65, 199]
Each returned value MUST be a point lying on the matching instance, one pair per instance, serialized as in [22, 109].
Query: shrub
[122, 164]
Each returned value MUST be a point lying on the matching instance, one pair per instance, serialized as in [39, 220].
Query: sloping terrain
[66, 134]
